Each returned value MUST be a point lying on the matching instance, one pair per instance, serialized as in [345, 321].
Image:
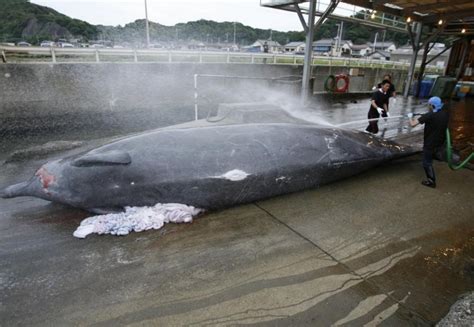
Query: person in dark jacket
[436, 122]
[391, 90]
[378, 107]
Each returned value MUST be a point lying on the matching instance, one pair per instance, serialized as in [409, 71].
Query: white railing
[90, 55]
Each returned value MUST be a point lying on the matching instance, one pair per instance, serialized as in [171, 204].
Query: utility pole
[234, 33]
[375, 40]
[340, 39]
[147, 27]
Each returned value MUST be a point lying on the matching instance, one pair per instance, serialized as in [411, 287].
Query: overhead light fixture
[409, 19]
[463, 30]
[440, 22]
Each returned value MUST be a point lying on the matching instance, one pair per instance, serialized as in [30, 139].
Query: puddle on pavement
[433, 279]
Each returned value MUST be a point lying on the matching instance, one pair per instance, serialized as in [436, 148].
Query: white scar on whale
[234, 175]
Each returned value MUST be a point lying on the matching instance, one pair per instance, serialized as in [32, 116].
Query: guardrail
[89, 55]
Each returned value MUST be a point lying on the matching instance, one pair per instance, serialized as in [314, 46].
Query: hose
[449, 154]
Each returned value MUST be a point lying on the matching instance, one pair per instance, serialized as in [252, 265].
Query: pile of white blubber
[137, 219]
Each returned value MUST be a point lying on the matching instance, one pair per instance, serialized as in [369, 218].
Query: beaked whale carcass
[207, 167]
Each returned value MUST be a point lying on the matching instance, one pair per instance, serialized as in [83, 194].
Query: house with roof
[294, 47]
[404, 54]
[345, 48]
[379, 55]
[359, 50]
[323, 47]
[327, 47]
[383, 46]
[273, 46]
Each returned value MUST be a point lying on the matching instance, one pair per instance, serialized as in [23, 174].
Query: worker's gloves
[380, 110]
[410, 115]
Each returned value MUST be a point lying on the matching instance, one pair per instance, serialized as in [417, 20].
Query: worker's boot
[431, 178]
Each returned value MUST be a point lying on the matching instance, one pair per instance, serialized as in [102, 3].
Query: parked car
[66, 45]
[23, 44]
[47, 44]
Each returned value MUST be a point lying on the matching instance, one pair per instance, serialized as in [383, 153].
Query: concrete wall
[140, 96]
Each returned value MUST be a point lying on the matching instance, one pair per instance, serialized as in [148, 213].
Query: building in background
[404, 54]
[294, 47]
[273, 46]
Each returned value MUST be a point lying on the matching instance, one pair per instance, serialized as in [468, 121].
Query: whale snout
[14, 190]
[40, 185]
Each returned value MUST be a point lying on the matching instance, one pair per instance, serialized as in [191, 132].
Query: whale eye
[109, 158]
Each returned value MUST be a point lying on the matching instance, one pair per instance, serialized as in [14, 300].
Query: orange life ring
[344, 87]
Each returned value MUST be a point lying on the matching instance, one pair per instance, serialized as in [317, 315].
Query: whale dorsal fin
[109, 158]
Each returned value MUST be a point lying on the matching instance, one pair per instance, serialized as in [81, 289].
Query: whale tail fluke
[14, 190]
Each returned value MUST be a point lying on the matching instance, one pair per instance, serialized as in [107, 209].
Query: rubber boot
[431, 178]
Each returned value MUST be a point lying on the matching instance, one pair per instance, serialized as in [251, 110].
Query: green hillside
[213, 32]
[22, 20]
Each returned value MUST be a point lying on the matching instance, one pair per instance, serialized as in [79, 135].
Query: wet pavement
[377, 248]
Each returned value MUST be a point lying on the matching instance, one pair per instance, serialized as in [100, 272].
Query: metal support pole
[465, 51]
[195, 96]
[147, 27]
[4, 57]
[97, 59]
[422, 68]
[427, 48]
[416, 47]
[440, 53]
[308, 54]
[300, 16]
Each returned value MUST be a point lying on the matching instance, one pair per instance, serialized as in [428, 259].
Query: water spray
[196, 94]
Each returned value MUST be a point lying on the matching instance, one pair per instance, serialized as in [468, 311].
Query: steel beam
[300, 16]
[308, 52]
[466, 50]
[416, 47]
[308, 55]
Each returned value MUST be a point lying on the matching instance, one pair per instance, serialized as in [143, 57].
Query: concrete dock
[378, 248]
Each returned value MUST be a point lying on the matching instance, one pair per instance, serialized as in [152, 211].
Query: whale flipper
[110, 158]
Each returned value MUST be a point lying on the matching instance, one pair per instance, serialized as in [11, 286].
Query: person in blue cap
[436, 122]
